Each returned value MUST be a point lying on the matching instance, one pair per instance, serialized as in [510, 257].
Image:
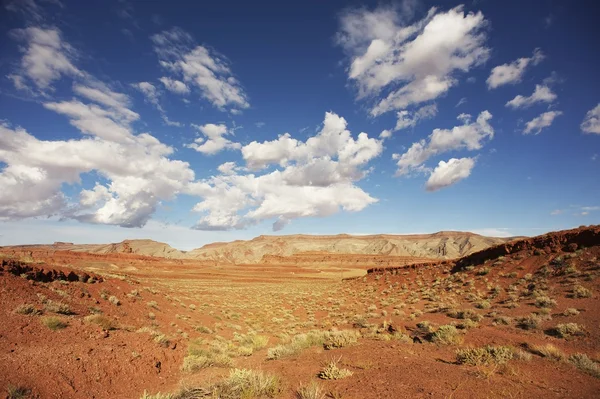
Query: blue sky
[189, 122]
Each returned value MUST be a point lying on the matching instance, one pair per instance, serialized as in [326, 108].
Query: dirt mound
[560, 241]
[44, 274]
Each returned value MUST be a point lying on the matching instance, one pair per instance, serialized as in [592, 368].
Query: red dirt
[85, 361]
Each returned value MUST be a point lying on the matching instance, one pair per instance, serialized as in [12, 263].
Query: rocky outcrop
[44, 274]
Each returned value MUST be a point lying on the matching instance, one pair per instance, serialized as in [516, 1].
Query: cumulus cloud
[513, 72]
[200, 67]
[134, 170]
[407, 119]
[449, 173]
[314, 178]
[213, 140]
[540, 94]
[174, 85]
[415, 62]
[46, 57]
[469, 135]
[537, 124]
[591, 122]
[139, 173]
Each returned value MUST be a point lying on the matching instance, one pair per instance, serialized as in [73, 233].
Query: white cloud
[494, 232]
[461, 102]
[201, 67]
[513, 73]
[139, 173]
[591, 122]
[540, 94]
[46, 57]
[134, 170]
[174, 85]
[151, 94]
[417, 62]
[213, 140]
[556, 212]
[408, 119]
[449, 173]
[468, 136]
[314, 178]
[536, 125]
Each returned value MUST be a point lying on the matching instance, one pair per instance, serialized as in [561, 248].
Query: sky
[195, 122]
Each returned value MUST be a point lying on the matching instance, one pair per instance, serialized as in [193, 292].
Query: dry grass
[585, 364]
[447, 335]
[54, 323]
[104, 322]
[311, 391]
[485, 355]
[16, 392]
[548, 351]
[567, 330]
[27, 309]
[58, 307]
[331, 371]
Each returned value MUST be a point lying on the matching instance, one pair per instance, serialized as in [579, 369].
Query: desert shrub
[312, 338]
[27, 309]
[16, 392]
[484, 355]
[54, 323]
[581, 292]
[504, 320]
[339, 339]
[194, 363]
[311, 391]
[530, 322]
[567, 330]
[570, 312]
[585, 364]
[146, 395]
[549, 351]
[484, 271]
[446, 335]
[544, 302]
[162, 340]
[243, 383]
[204, 330]
[104, 322]
[57, 307]
[153, 304]
[483, 305]
[465, 314]
[333, 372]
[114, 300]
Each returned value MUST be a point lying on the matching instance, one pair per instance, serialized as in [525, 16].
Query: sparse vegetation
[57, 307]
[567, 330]
[333, 372]
[54, 323]
[585, 364]
[581, 292]
[16, 392]
[485, 355]
[447, 335]
[311, 391]
[104, 322]
[27, 309]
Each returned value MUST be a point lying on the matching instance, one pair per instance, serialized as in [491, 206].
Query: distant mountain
[441, 245]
